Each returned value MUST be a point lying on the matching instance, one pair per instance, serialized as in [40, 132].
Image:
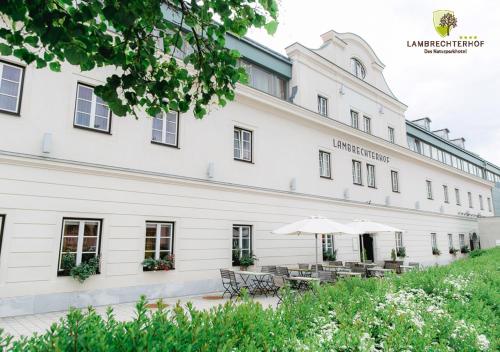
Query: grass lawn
[448, 308]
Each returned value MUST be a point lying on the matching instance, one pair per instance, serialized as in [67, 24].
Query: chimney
[459, 142]
[424, 122]
[443, 133]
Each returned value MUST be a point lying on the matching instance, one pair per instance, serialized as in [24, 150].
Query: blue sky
[457, 91]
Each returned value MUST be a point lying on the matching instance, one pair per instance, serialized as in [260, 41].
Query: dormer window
[357, 68]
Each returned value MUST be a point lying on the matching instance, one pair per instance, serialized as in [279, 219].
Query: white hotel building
[317, 132]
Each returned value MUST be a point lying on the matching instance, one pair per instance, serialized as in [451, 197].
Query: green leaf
[55, 66]
[5, 49]
[271, 27]
[40, 63]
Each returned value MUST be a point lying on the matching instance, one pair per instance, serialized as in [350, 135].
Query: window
[264, 80]
[367, 124]
[469, 196]
[11, 81]
[370, 173]
[481, 205]
[242, 242]
[434, 241]
[324, 165]
[159, 240]
[461, 240]
[450, 241]
[390, 130]
[445, 192]
[354, 119]
[357, 177]
[426, 149]
[457, 196]
[399, 240]
[322, 105]
[91, 111]
[488, 200]
[242, 144]
[328, 246]
[357, 68]
[80, 238]
[2, 221]
[166, 128]
[429, 189]
[395, 181]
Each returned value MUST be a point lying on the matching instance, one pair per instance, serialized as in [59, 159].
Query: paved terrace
[28, 324]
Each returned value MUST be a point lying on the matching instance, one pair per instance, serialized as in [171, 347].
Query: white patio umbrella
[366, 226]
[314, 225]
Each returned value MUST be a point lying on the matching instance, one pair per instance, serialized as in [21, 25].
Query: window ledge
[92, 129]
[244, 161]
[166, 144]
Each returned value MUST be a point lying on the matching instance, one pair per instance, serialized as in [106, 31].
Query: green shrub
[82, 271]
[476, 253]
[446, 308]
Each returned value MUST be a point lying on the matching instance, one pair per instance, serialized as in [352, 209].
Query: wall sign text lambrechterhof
[355, 149]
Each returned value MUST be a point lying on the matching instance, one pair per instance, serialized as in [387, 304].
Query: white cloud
[457, 91]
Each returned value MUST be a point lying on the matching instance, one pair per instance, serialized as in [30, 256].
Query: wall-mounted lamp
[293, 184]
[341, 90]
[346, 193]
[47, 143]
[210, 170]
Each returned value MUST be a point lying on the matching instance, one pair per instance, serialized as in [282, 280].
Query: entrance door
[474, 242]
[366, 245]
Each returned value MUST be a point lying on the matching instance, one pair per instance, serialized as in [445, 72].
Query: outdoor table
[259, 281]
[380, 270]
[302, 282]
[348, 273]
[337, 268]
[405, 268]
[302, 272]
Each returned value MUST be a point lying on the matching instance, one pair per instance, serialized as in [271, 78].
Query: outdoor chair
[350, 264]
[230, 284]
[277, 284]
[303, 266]
[336, 263]
[327, 277]
[271, 269]
[414, 264]
[320, 267]
[393, 266]
[359, 269]
[282, 271]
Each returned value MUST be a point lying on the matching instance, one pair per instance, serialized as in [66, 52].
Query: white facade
[50, 171]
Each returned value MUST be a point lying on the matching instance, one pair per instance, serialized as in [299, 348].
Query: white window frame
[395, 181]
[446, 194]
[171, 118]
[80, 237]
[322, 105]
[370, 176]
[19, 88]
[159, 225]
[240, 240]
[391, 132]
[434, 240]
[93, 103]
[457, 196]
[328, 243]
[367, 124]
[450, 241]
[488, 200]
[481, 204]
[354, 119]
[357, 172]
[239, 144]
[325, 166]
[429, 189]
[357, 68]
[469, 198]
[399, 239]
[461, 240]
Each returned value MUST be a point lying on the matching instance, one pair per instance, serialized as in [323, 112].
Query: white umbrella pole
[316, 246]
